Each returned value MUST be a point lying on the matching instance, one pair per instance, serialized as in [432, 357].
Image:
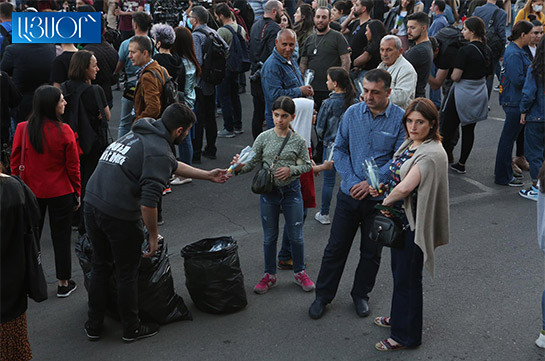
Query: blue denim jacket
[360, 136]
[329, 117]
[278, 77]
[533, 98]
[515, 64]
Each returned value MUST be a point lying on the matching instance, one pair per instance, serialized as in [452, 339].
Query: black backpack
[6, 41]
[170, 88]
[214, 58]
[239, 58]
[449, 37]
[494, 42]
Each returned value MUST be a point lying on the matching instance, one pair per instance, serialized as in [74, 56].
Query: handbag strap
[281, 149]
[23, 151]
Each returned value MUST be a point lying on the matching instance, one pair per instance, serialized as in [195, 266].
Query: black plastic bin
[213, 275]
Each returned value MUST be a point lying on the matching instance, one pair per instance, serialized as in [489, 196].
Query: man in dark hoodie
[122, 196]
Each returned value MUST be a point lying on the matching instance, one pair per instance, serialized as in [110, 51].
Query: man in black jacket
[122, 196]
[262, 43]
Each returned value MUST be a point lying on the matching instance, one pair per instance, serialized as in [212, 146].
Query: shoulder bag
[387, 231]
[264, 178]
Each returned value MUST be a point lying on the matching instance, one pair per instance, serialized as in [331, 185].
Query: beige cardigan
[431, 221]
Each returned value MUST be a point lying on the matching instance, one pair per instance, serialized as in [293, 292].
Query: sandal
[383, 321]
[387, 345]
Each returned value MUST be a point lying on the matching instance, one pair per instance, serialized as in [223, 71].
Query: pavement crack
[226, 217]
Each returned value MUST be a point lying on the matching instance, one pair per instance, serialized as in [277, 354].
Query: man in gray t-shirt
[322, 50]
[421, 54]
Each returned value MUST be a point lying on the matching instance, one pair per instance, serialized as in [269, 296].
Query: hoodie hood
[152, 126]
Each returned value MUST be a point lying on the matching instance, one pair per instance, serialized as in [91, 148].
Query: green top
[294, 155]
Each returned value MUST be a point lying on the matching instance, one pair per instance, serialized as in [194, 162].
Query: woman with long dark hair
[532, 108]
[396, 21]
[183, 47]
[515, 65]
[304, 23]
[370, 58]
[287, 167]
[92, 128]
[327, 122]
[45, 157]
[418, 182]
[467, 101]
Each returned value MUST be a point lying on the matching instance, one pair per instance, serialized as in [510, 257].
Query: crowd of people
[395, 82]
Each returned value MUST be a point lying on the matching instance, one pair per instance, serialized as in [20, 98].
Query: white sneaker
[322, 218]
[181, 180]
[540, 342]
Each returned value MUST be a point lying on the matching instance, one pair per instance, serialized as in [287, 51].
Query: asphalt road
[484, 303]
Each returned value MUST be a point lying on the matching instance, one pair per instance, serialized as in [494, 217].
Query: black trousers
[350, 214]
[319, 97]
[115, 242]
[407, 300]
[88, 164]
[206, 121]
[60, 221]
[449, 131]
[258, 116]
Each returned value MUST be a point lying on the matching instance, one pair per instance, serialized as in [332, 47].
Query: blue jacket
[533, 98]
[486, 11]
[279, 77]
[329, 117]
[515, 64]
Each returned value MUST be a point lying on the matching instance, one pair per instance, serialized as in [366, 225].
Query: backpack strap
[3, 31]
[492, 19]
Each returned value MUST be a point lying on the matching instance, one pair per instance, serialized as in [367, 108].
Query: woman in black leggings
[467, 102]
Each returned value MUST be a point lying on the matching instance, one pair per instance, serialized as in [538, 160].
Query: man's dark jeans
[116, 243]
[350, 214]
[230, 102]
[206, 121]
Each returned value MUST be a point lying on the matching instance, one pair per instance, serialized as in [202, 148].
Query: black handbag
[387, 231]
[263, 181]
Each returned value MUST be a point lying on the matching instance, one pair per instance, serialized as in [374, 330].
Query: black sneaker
[145, 330]
[92, 333]
[515, 183]
[457, 167]
[518, 175]
[65, 291]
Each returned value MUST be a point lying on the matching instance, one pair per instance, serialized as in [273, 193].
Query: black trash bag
[213, 275]
[157, 300]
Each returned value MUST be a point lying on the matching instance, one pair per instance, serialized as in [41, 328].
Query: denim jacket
[533, 98]
[515, 64]
[279, 77]
[329, 117]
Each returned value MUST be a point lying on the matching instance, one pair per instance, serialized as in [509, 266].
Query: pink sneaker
[303, 280]
[268, 281]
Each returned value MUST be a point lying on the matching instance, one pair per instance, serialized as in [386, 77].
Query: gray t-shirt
[421, 58]
[323, 52]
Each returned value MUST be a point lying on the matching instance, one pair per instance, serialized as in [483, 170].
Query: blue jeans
[350, 214]
[503, 173]
[285, 250]
[407, 300]
[330, 177]
[435, 95]
[185, 150]
[230, 101]
[534, 149]
[127, 118]
[290, 199]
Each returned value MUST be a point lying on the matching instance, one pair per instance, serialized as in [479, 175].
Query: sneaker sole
[528, 197]
[226, 136]
[64, 295]
[306, 289]
[458, 171]
[260, 292]
[515, 184]
[129, 340]
[91, 337]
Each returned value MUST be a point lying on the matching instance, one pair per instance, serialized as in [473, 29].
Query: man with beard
[122, 196]
[421, 54]
[262, 43]
[322, 50]
[355, 26]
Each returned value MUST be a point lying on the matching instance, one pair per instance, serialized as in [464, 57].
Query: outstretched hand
[219, 175]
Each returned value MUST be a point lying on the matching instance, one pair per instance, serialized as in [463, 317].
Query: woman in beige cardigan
[418, 178]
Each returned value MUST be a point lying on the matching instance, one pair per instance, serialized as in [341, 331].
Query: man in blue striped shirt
[371, 129]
